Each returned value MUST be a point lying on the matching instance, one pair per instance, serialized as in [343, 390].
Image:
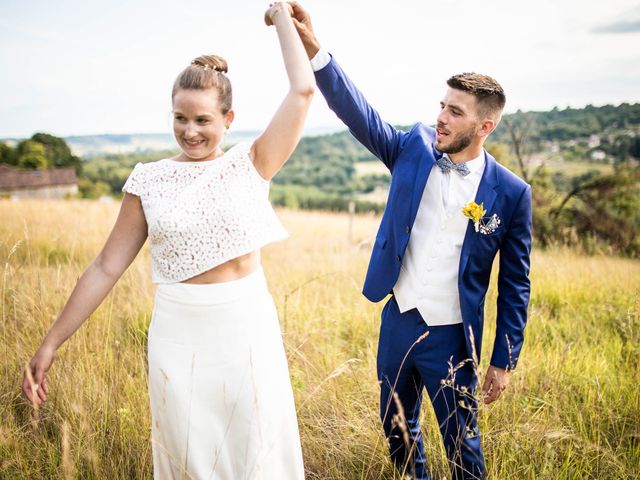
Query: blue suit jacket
[410, 156]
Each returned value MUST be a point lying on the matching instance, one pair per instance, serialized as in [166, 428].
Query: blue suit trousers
[439, 361]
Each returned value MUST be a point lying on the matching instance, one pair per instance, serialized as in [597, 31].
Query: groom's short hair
[489, 94]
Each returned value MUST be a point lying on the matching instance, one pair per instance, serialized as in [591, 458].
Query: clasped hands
[274, 9]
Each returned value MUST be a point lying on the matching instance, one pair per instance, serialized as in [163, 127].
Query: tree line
[40, 151]
[595, 208]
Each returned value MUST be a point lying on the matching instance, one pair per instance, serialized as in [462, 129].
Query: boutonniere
[476, 213]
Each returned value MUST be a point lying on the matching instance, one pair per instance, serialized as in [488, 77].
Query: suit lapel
[487, 193]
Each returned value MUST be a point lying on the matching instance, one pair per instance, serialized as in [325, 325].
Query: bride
[221, 399]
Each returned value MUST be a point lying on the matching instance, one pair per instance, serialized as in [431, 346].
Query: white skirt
[221, 399]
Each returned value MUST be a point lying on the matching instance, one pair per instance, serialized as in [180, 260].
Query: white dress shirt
[456, 189]
[320, 60]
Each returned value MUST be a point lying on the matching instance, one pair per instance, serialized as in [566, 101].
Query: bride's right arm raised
[125, 241]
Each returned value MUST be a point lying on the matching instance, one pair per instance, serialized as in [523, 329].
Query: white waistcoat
[428, 278]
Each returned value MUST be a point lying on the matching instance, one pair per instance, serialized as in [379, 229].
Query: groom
[436, 262]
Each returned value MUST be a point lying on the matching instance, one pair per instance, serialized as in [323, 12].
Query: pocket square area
[487, 225]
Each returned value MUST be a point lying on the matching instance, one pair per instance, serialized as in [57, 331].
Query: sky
[75, 67]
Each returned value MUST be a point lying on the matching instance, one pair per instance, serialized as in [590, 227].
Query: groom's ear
[487, 126]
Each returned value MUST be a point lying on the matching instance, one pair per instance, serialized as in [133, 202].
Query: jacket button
[399, 258]
[407, 229]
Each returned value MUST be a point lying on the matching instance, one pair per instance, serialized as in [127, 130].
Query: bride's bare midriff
[232, 270]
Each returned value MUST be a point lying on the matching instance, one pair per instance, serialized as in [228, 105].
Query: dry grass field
[572, 410]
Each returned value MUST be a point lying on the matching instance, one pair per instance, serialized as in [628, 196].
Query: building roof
[12, 178]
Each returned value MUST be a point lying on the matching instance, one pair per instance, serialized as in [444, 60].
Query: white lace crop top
[201, 214]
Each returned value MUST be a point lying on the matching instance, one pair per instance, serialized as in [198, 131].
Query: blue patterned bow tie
[447, 165]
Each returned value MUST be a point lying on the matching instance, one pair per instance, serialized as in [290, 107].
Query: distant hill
[87, 146]
[329, 164]
[566, 125]
[612, 132]
[573, 123]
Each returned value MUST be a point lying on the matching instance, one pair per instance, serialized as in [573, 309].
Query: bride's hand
[274, 8]
[34, 383]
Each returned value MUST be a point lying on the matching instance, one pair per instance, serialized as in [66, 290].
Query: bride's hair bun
[212, 62]
[207, 71]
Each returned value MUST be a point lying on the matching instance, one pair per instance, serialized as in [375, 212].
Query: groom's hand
[302, 21]
[495, 382]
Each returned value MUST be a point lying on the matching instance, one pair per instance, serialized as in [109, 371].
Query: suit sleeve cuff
[320, 60]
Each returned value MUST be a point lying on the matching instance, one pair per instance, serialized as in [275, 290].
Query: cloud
[626, 23]
[622, 26]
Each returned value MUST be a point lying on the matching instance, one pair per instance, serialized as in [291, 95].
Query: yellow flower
[474, 211]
